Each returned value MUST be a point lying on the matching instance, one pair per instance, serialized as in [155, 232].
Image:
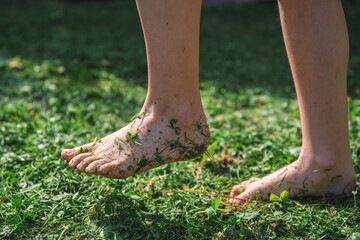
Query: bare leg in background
[317, 44]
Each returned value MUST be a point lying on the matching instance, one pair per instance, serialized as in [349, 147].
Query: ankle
[185, 111]
[327, 159]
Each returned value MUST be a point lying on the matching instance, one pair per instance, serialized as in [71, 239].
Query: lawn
[71, 71]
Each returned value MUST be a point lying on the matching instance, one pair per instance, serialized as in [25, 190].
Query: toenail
[67, 151]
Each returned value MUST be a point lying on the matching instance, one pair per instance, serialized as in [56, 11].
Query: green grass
[73, 71]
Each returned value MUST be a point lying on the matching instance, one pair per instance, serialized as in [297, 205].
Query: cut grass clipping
[63, 83]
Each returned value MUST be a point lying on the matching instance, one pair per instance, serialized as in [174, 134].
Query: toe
[238, 193]
[240, 199]
[113, 170]
[69, 154]
[95, 165]
[77, 159]
[236, 190]
[83, 164]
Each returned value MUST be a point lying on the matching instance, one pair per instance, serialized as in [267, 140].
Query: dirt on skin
[302, 178]
[143, 144]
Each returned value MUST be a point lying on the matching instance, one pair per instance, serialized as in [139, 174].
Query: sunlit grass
[70, 72]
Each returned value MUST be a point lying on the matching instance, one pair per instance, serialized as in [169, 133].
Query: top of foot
[145, 143]
[302, 178]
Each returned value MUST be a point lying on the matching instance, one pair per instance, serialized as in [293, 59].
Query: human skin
[171, 125]
[317, 45]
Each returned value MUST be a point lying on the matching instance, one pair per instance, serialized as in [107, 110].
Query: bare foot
[145, 143]
[304, 177]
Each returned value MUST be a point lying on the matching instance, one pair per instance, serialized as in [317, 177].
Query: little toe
[69, 154]
[86, 162]
[95, 165]
[77, 159]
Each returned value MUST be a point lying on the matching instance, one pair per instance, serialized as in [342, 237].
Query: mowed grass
[71, 71]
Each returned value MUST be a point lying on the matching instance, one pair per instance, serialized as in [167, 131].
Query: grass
[71, 71]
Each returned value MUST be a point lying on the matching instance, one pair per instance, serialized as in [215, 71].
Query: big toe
[238, 189]
[241, 198]
[69, 154]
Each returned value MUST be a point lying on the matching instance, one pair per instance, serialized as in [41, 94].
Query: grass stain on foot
[130, 136]
[177, 130]
[83, 151]
[118, 144]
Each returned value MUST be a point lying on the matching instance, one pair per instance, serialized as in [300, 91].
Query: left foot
[304, 177]
[147, 142]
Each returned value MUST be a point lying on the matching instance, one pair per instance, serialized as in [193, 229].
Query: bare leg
[171, 125]
[316, 41]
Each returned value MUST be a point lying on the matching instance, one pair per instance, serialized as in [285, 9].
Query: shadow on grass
[121, 217]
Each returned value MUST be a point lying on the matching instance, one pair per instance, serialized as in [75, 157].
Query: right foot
[304, 177]
[147, 142]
